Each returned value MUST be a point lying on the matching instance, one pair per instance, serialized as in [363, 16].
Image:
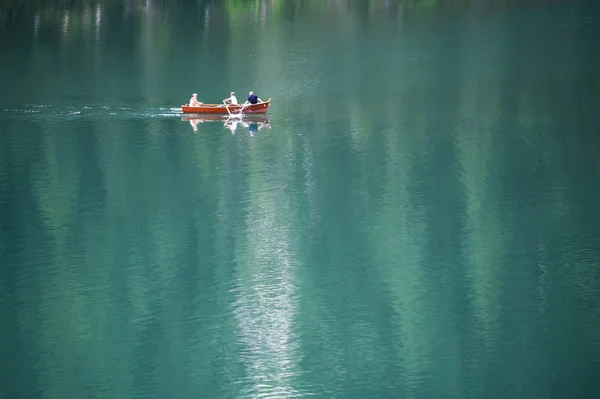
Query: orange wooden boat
[260, 108]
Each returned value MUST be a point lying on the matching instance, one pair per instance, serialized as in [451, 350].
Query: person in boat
[194, 101]
[252, 99]
[231, 100]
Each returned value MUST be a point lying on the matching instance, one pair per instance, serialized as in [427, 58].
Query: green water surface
[417, 217]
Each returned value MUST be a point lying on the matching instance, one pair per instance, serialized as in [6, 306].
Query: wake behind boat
[221, 109]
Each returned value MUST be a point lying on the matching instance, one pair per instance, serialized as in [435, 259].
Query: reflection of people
[254, 127]
[194, 101]
[194, 123]
[231, 125]
[231, 100]
[252, 99]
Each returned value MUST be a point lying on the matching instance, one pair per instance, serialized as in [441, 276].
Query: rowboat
[260, 108]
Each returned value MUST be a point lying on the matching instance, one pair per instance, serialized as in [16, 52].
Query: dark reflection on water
[415, 217]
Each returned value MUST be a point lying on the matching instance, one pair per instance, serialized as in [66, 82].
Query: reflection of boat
[220, 109]
[223, 118]
[253, 122]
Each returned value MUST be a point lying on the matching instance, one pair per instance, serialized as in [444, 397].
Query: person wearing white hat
[194, 101]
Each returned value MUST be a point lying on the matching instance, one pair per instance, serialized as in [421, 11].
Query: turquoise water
[416, 217]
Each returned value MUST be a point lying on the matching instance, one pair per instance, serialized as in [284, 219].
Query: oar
[243, 106]
[240, 111]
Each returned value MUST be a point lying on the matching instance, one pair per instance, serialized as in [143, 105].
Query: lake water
[417, 217]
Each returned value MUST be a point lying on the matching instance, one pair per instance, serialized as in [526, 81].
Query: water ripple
[88, 112]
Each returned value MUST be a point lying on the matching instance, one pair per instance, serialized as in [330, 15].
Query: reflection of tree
[399, 240]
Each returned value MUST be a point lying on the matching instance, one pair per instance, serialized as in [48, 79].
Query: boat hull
[219, 109]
